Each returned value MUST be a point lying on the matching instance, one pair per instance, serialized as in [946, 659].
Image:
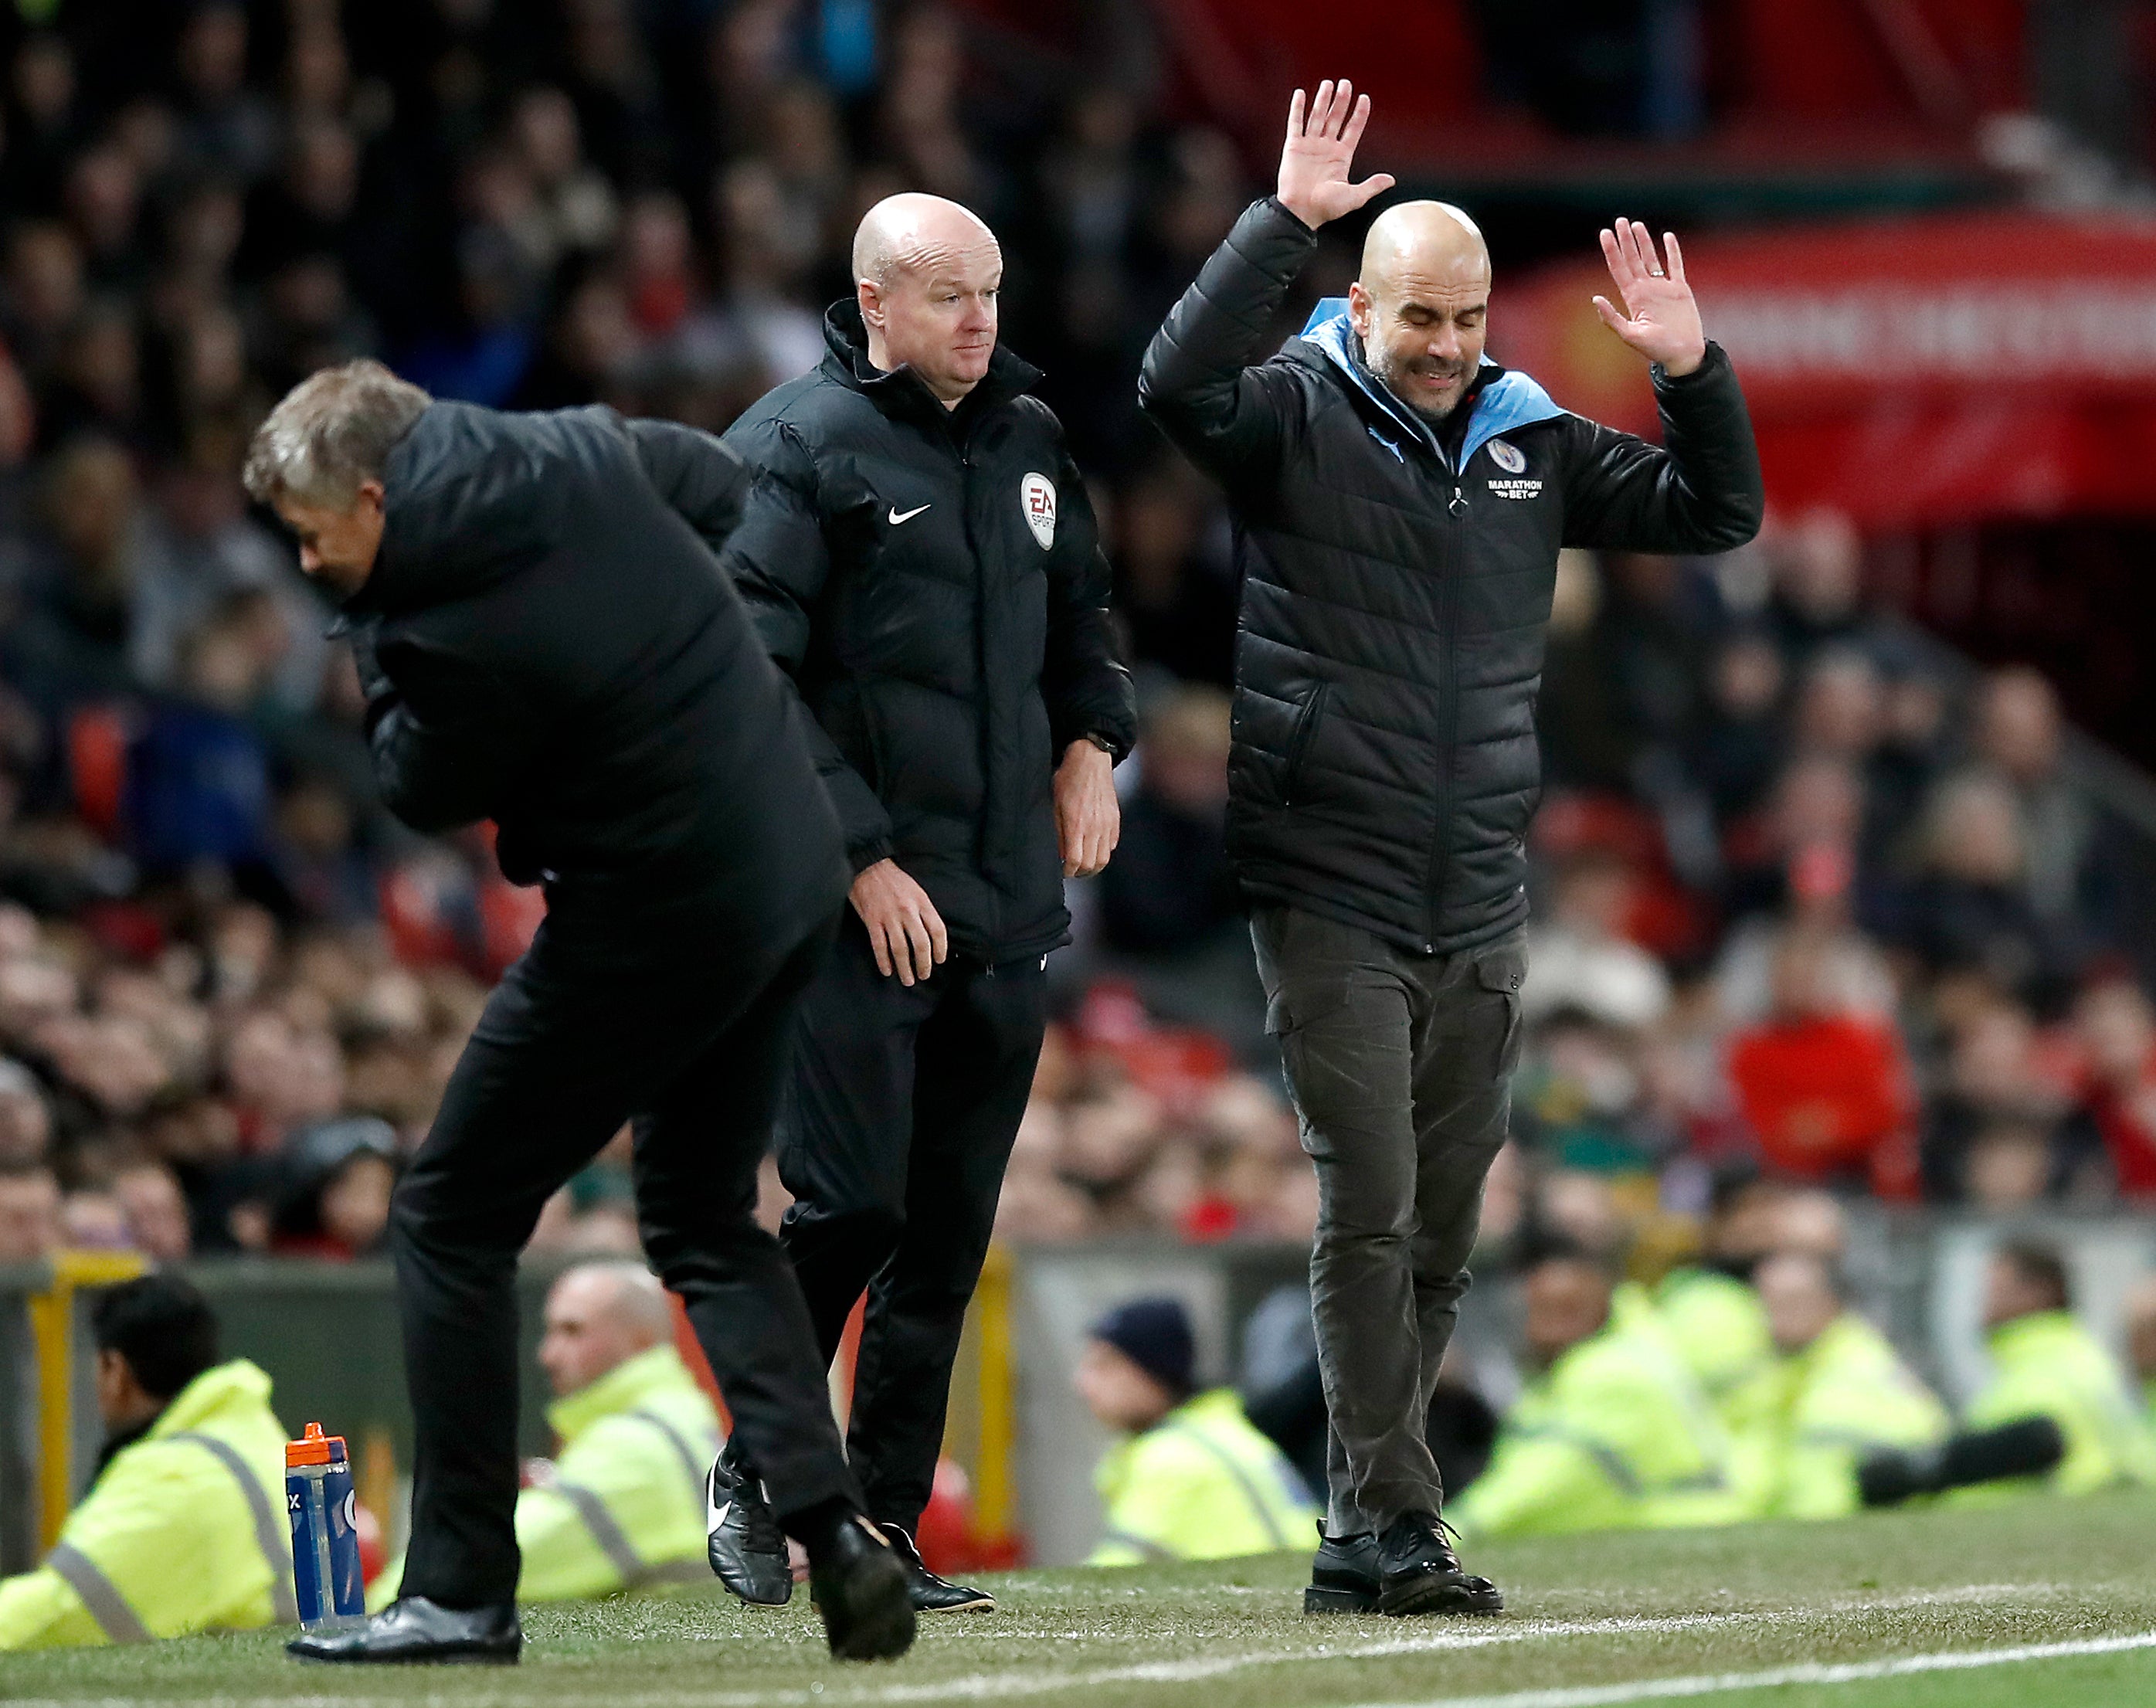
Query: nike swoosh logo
[714, 1514]
[896, 518]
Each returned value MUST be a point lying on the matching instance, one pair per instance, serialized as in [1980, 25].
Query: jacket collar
[1503, 402]
[902, 392]
[241, 1381]
[629, 1384]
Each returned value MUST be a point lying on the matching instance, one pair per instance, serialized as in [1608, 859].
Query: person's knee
[868, 1226]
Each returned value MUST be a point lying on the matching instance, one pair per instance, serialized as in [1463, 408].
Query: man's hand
[1089, 819]
[1661, 320]
[1314, 165]
[905, 929]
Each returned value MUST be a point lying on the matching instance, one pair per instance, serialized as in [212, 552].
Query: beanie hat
[1154, 1334]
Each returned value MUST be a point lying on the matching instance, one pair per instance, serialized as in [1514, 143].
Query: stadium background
[1909, 728]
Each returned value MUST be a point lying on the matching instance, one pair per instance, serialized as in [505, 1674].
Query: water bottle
[325, 1514]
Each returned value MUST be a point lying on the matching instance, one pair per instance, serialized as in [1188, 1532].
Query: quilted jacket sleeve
[1229, 417]
[1700, 490]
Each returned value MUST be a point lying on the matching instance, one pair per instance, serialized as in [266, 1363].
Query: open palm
[1660, 319]
[1314, 185]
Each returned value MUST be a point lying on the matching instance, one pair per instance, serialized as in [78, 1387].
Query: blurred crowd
[1806, 898]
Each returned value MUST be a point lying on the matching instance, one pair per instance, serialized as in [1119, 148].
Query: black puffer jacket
[548, 641]
[1393, 610]
[932, 581]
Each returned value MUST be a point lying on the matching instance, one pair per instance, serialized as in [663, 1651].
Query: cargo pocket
[1502, 971]
[1298, 747]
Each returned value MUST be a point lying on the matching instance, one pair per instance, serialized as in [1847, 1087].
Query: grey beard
[1435, 416]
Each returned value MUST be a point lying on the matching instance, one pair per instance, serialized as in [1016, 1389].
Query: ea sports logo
[1037, 496]
[1506, 458]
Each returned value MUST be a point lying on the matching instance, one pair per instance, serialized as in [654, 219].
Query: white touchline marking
[1854, 1672]
[998, 1685]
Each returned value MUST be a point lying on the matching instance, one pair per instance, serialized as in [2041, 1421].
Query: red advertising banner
[1913, 373]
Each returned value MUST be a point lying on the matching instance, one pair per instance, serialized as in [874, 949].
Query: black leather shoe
[1343, 1575]
[416, 1630]
[1418, 1572]
[932, 1594]
[860, 1589]
[742, 1540]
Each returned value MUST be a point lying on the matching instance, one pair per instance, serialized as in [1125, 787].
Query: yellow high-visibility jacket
[1203, 1484]
[625, 1506]
[2047, 1365]
[1615, 1435]
[1844, 1396]
[184, 1529]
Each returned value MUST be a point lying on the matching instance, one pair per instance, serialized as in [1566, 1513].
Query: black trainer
[742, 1540]
[860, 1588]
[1343, 1575]
[932, 1594]
[1418, 1572]
[417, 1631]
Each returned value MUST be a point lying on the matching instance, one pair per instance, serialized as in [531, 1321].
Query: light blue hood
[1512, 400]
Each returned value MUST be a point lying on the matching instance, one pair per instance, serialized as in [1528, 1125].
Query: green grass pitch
[1908, 1611]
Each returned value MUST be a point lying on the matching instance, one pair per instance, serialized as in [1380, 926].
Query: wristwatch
[1101, 742]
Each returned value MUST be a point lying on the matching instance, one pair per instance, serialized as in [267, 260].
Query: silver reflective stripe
[613, 1542]
[692, 1467]
[114, 1617]
[273, 1538]
[1605, 1457]
[1241, 1477]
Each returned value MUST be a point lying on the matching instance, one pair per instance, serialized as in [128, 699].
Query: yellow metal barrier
[995, 1481]
[52, 1329]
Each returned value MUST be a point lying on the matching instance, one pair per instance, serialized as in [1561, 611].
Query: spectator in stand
[2117, 1027]
[1820, 877]
[1579, 957]
[156, 1211]
[1968, 908]
[1169, 887]
[1826, 1092]
[30, 1212]
[25, 1121]
[1174, 588]
[337, 1180]
[2002, 1095]
[2020, 733]
[1737, 746]
[1817, 601]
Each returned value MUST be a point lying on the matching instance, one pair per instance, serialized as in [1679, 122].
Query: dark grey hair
[333, 431]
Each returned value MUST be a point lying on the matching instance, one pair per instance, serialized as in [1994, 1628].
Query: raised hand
[1314, 185]
[1660, 319]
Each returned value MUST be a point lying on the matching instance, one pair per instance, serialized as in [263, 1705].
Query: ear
[870, 296]
[373, 492]
[1361, 308]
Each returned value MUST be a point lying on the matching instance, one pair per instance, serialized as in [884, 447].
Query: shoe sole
[467, 1657]
[1437, 1594]
[1318, 1599]
[978, 1604]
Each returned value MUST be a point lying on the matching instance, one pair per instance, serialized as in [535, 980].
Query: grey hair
[333, 432]
[638, 1298]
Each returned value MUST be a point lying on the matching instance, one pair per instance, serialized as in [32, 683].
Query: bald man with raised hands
[919, 555]
[1400, 501]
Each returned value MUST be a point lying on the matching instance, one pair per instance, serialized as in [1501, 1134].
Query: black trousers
[585, 1032]
[904, 1103]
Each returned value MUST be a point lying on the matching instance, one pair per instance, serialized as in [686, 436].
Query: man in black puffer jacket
[546, 640]
[1400, 503]
[920, 555]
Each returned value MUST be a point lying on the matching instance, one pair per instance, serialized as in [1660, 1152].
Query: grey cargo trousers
[1400, 1066]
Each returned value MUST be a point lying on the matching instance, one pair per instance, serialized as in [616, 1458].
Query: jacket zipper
[1298, 746]
[1448, 621]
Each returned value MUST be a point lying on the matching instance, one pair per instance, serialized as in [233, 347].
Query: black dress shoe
[932, 1594]
[1343, 1575]
[415, 1630]
[742, 1540]
[860, 1589]
[1418, 1572]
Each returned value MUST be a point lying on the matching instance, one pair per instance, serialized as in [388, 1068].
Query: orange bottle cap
[315, 1449]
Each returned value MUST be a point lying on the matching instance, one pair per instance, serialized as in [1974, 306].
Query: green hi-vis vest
[1203, 1484]
[1847, 1395]
[1615, 1435]
[625, 1509]
[184, 1532]
[2047, 1365]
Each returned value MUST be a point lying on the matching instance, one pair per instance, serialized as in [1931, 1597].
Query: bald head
[927, 273]
[600, 1315]
[1432, 239]
[1421, 307]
